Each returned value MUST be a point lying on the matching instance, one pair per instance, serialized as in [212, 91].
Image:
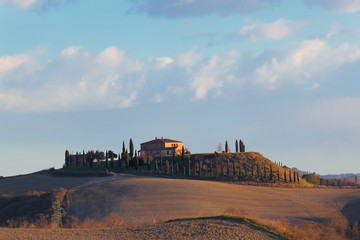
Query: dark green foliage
[226, 147]
[265, 174]
[200, 167]
[289, 175]
[144, 160]
[242, 146]
[161, 163]
[271, 172]
[228, 168]
[112, 161]
[123, 148]
[148, 165]
[67, 158]
[252, 170]
[127, 159]
[107, 160]
[258, 170]
[84, 159]
[177, 168]
[285, 180]
[236, 146]
[222, 169]
[182, 153]
[91, 158]
[119, 161]
[189, 166]
[312, 178]
[245, 170]
[77, 159]
[297, 176]
[167, 169]
[136, 161]
[234, 167]
[278, 173]
[211, 168]
[131, 146]
[156, 166]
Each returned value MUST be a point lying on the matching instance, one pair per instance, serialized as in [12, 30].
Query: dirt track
[146, 200]
[191, 229]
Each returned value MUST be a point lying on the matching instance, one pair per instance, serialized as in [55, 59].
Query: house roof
[159, 140]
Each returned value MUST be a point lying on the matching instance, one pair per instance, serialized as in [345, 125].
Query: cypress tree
[131, 146]
[242, 146]
[234, 168]
[127, 159]
[84, 159]
[258, 170]
[226, 147]
[91, 156]
[285, 180]
[161, 164]
[177, 168]
[112, 160]
[148, 164]
[119, 161]
[245, 169]
[189, 166]
[236, 146]
[211, 168]
[278, 175]
[265, 174]
[136, 161]
[252, 170]
[123, 148]
[167, 167]
[77, 159]
[106, 160]
[222, 168]
[228, 168]
[67, 158]
[200, 168]
[289, 175]
[271, 172]
[156, 166]
[182, 153]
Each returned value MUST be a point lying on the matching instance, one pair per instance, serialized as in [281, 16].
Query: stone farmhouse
[161, 146]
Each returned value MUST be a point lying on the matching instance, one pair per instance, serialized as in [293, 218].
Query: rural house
[161, 146]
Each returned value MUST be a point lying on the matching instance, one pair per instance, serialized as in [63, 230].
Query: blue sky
[281, 75]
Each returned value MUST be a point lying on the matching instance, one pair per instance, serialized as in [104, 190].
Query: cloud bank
[109, 79]
[193, 8]
[42, 5]
[343, 6]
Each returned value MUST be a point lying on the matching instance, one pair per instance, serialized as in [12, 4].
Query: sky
[282, 75]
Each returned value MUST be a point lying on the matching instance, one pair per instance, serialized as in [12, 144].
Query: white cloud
[193, 8]
[188, 59]
[303, 61]
[70, 51]
[213, 74]
[20, 3]
[343, 6]
[161, 62]
[105, 80]
[279, 29]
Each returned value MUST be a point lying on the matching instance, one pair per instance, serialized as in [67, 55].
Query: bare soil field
[149, 199]
[188, 229]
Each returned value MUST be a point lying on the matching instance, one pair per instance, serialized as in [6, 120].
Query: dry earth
[190, 229]
[147, 200]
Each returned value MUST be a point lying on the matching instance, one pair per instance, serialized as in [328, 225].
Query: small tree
[84, 159]
[182, 153]
[161, 163]
[258, 170]
[156, 166]
[265, 174]
[236, 146]
[127, 159]
[67, 158]
[136, 161]
[106, 160]
[285, 180]
[119, 161]
[167, 167]
[91, 158]
[242, 146]
[77, 159]
[131, 146]
[271, 172]
[226, 146]
[112, 161]
[123, 147]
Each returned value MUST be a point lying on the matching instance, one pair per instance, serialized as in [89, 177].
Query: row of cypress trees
[239, 145]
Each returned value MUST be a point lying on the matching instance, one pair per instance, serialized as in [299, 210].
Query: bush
[312, 178]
